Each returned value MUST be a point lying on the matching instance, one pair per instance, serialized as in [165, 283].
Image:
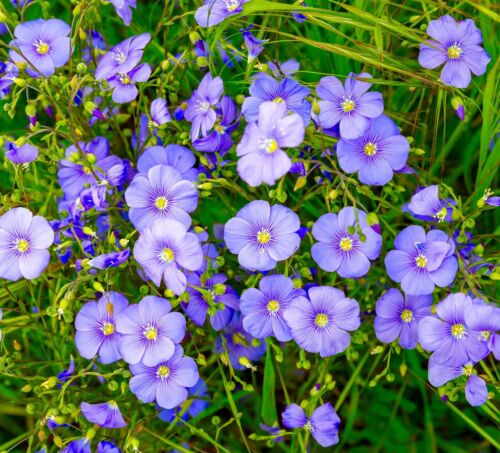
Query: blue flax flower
[323, 423]
[322, 321]
[422, 261]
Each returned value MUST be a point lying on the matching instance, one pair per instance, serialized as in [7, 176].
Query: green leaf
[268, 411]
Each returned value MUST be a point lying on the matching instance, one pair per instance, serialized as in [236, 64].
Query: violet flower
[447, 335]
[261, 235]
[346, 243]
[106, 415]
[287, 92]
[398, 317]
[199, 111]
[163, 249]
[123, 57]
[213, 12]
[323, 423]
[380, 151]
[348, 105]
[457, 45]
[24, 240]
[167, 382]
[123, 84]
[262, 158]
[422, 261]
[149, 331]
[43, 44]
[161, 193]
[322, 322]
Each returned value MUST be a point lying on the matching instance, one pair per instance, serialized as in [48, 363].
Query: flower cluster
[201, 223]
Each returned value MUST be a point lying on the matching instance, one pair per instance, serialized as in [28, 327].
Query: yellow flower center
[42, 47]
[348, 105]
[161, 203]
[278, 100]
[321, 320]
[458, 331]
[345, 244]
[22, 245]
[441, 215]
[108, 329]
[421, 261]
[270, 145]
[231, 5]
[163, 371]
[406, 315]
[370, 149]
[125, 79]
[150, 333]
[454, 51]
[167, 255]
[273, 306]
[467, 369]
[263, 237]
[219, 128]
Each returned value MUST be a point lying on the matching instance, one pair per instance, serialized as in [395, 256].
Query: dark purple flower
[263, 308]
[149, 331]
[23, 154]
[426, 205]
[262, 159]
[206, 297]
[322, 322]
[95, 326]
[286, 92]
[78, 446]
[253, 45]
[422, 261]
[64, 375]
[123, 84]
[8, 72]
[376, 154]
[220, 138]
[346, 243]
[448, 336]
[106, 415]
[164, 247]
[107, 447]
[161, 193]
[349, 105]
[124, 9]
[457, 45]
[159, 112]
[177, 156]
[167, 382]
[199, 111]
[238, 344]
[43, 44]
[24, 240]
[476, 391]
[213, 12]
[323, 423]
[261, 235]
[113, 259]
[398, 317]
[122, 58]
[485, 318]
